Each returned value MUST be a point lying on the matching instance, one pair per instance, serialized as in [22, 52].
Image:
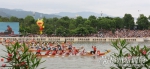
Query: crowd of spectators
[124, 33]
[119, 33]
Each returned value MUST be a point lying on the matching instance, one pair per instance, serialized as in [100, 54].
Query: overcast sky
[110, 7]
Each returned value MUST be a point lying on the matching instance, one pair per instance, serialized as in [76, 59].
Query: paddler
[54, 52]
[94, 50]
[47, 53]
[38, 51]
[59, 47]
[67, 52]
[74, 51]
[61, 52]
[70, 48]
[63, 47]
[48, 48]
[98, 52]
[50, 43]
[82, 52]
[54, 49]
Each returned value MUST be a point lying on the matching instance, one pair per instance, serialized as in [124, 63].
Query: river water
[81, 62]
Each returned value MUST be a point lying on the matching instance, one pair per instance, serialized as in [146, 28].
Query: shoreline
[75, 39]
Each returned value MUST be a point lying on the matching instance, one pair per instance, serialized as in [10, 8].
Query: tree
[34, 29]
[21, 20]
[59, 31]
[142, 22]
[14, 19]
[4, 19]
[128, 21]
[79, 20]
[118, 22]
[90, 29]
[105, 24]
[149, 17]
[82, 31]
[93, 21]
[72, 26]
[49, 31]
[29, 20]
[87, 22]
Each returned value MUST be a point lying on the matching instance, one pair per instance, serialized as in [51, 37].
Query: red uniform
[47, 53]
[54, 53]
[38, 51]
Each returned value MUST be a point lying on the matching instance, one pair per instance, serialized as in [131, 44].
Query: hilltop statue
[40, 24]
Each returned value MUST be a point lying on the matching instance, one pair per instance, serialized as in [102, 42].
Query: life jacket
[94, 48]
[38, 50]
[54, 52]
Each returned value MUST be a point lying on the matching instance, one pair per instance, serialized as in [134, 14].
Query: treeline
[79, 26]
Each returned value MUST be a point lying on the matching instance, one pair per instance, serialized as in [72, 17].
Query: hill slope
[22, 14]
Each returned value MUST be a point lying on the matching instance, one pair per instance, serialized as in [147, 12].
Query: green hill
[22, 14]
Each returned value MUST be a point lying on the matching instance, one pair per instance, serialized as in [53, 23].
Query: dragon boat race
[74, 34]
[82, 59]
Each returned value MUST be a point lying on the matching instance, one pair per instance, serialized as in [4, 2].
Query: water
[13, 25]
[80, 62]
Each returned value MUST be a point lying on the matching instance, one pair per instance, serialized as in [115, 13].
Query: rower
[54, 52]
[51, 44]
[59, 47]
[49, 48]
[67, 52]
[70, 48]
[60, 52]
[74, 52]
[82, 53]
[98, 52]
[38, 51]
[47, 53]
[94, 50]
[43, 47]
[54, 49]
[32, 45]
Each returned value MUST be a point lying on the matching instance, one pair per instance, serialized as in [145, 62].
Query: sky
[109, 7]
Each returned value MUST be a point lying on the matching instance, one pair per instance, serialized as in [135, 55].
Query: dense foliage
[79, 26]
[20, 58]
[133, 57]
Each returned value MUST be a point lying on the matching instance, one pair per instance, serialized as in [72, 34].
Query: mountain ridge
[20, 13]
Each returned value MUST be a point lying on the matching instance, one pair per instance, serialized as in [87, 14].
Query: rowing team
[71, 51]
